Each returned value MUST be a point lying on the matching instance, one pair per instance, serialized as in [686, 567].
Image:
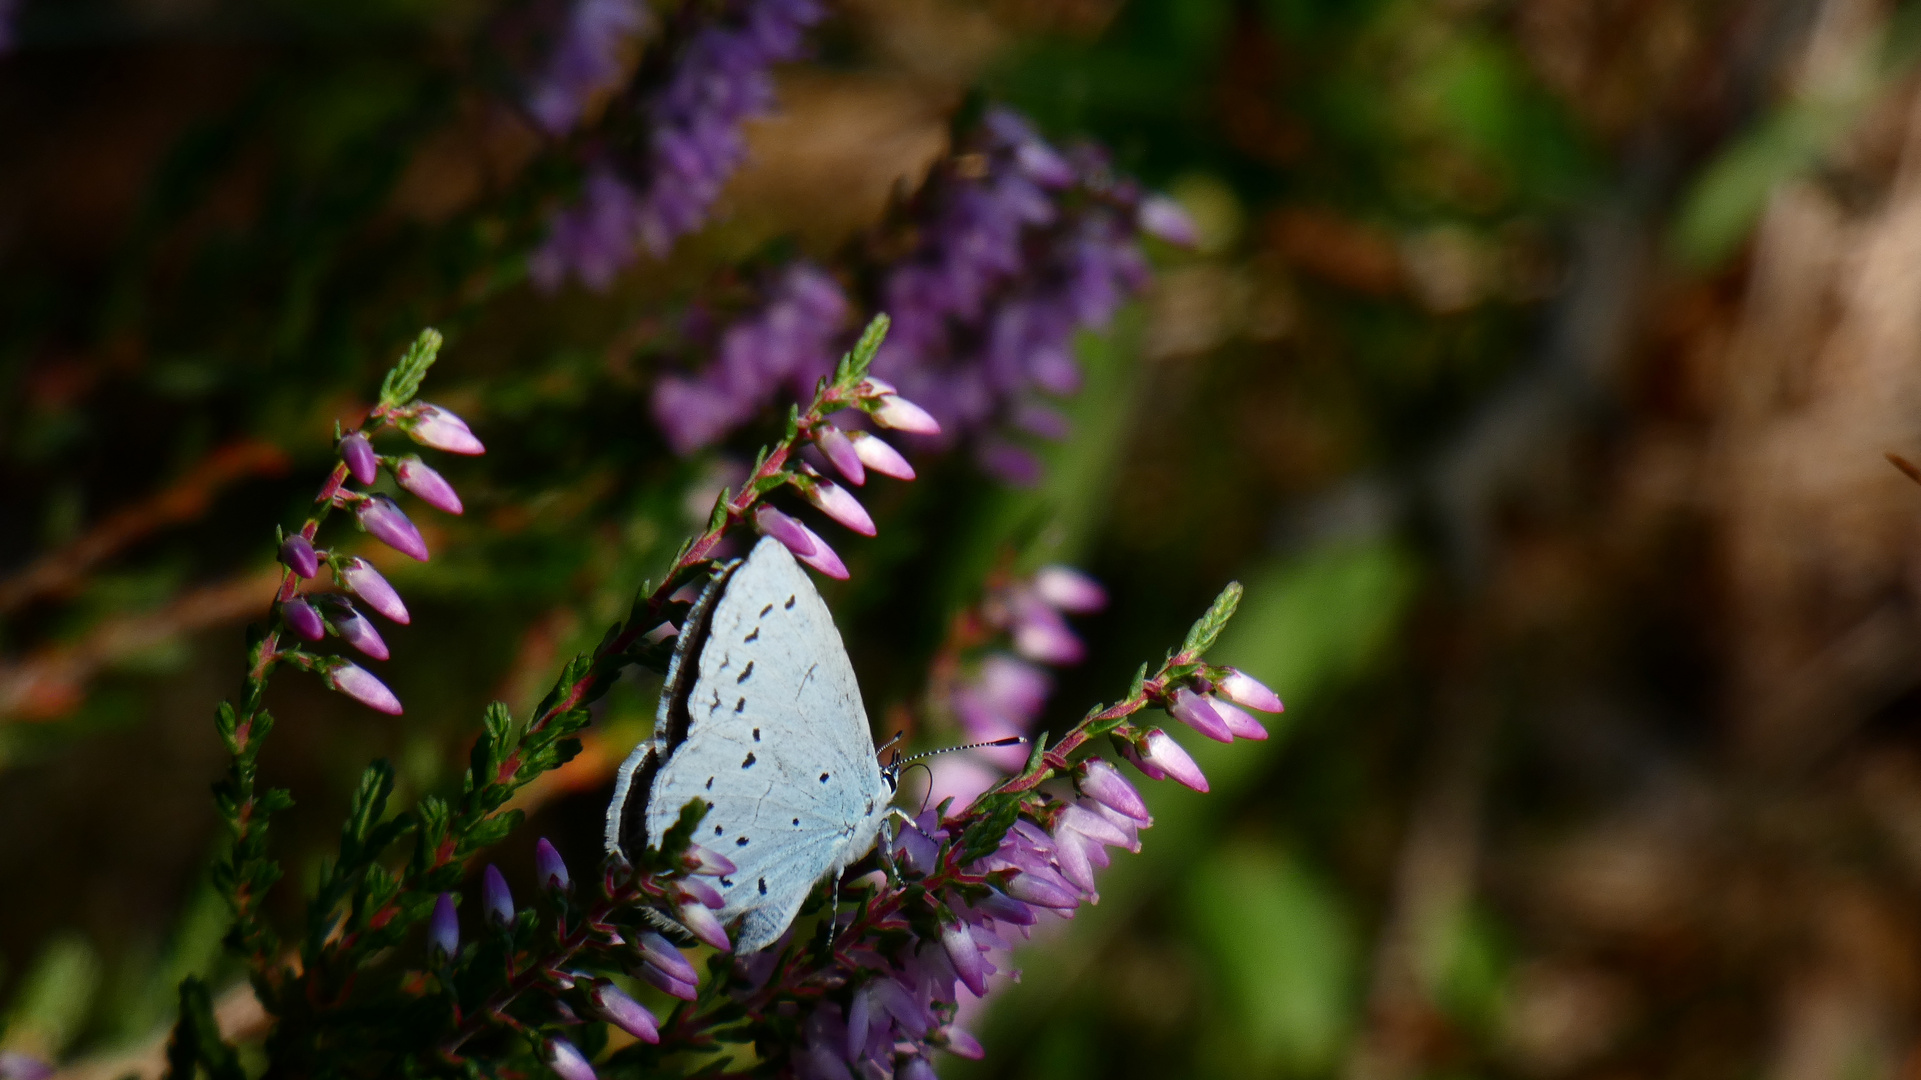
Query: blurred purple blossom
[567, 1061]
[720, 77]
[785, 346]
[443, 928]
[496, 897]
[587, 60]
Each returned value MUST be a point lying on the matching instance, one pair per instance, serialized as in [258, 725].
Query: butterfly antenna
[1011, 740]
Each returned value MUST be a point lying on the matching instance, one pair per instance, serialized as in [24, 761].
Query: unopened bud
[302, 619]
[549, 868]
[365, 582]
[418, 477]
[436, 427]
[358, 454]
[383, 517]
[358, 683]
[443, 929]
[877, 455]
[298, 555]
[840, 452]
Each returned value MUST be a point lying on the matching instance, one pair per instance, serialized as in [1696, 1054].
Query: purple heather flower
[383, 517]
[359, 456]
[1167, 755]
[586, 61]
[302, 619]
[901, 414]
[1095, 827]
[696, 889]
[880, 457]
[549, 868]
[839, 449]
[786, 345]
[358, 683]
[834, 501]
[1239, 722]
[917, 1069]
[495, 897]
[1193, 710]
[699, 860]
[1104, 784]
[364, 581]
[436, 427]
[1004, 699]
[1147, 768]
[720, 80]
[1070, 854]
[355, 630]
[665, 982]
[1163, 218]
[663, 954]
[15, 1065]
[443, 929]
[701, 922]
[1042, 888]
[1245, 690]
[804, 542]
[298, 555]
[593, 239]
[1041, 634]
[567, 1061]
[963, 1044]
[613, 1004]
[965, 956]
[432, 488]
[1068, 589]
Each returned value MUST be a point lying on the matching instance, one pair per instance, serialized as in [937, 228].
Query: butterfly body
[762, 719]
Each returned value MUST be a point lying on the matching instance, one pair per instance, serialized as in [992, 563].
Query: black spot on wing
[749, 763]
[740, 841]
[763, 886]
[755, 636]
[710, 783]
[789, 605]
[744, 672]
[756, 734]
[727, 882]
[823, 777]
[740, 705]
[796, 823]
[718, 830]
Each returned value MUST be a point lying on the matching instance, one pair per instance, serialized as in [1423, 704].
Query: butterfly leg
[833, 918]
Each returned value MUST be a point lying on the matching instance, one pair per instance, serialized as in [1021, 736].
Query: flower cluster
[720, 77]
[1019, 246]
[312, 615]
[586, 61]
[787, 345]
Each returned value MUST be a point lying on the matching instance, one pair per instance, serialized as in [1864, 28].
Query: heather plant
[391, 975]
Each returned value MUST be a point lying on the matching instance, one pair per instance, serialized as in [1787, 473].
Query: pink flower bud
[666, 983]
[1239, 722]
[699, 860]
[875, 386]
[880, 457]
[1167, 755]
[835, 501]
[1068, 589]
[624, 1012]
[839, 450]
[702, 923]
[549, 868]
[1147, 768]
[1035, 889]
[383, 518]
[1245, 690]
[298, 555]
[806, 544]
[1093, 826]
[961, 1044]
[567, 1061]
[365, 582]
[356, 630]
[1104, 784]
[436, 427]
[302, 619]
[433, 489]
[1165, 219]
[901, 414]
[1193, 710]
[696, 889]
[443, 929]
[358, 683]
[358, 454]
[966, 957]
[496, 897]
[663, 954]
[1071, 857]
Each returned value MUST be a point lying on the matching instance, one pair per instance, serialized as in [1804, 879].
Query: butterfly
[761, 718]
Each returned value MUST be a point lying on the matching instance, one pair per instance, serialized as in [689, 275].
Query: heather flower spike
[302, 619]
[382, 517]
[358, 683]
[496, 897]
[355, 630]
[360, 578]
[358, 453]
[443, 929]
[1247, 691]
[434, 490]
[839, 450]
[1104, 784]
[298, 555]
[549, 868]
[1069, 590]
[567, 1061]
[834, 501]
[624, 1012]
[1160, 748]
[434, 426]
[1193, 710]
[877, 455]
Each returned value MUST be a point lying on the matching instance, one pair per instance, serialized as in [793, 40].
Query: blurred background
[1533, 365]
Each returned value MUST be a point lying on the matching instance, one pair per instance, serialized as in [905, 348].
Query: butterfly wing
[777, 743]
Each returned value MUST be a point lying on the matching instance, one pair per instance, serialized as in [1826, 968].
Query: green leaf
[368, 805]
[403, 382]
[1205, 631]
[984, 836]
[196, 1039]
[853, 366]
